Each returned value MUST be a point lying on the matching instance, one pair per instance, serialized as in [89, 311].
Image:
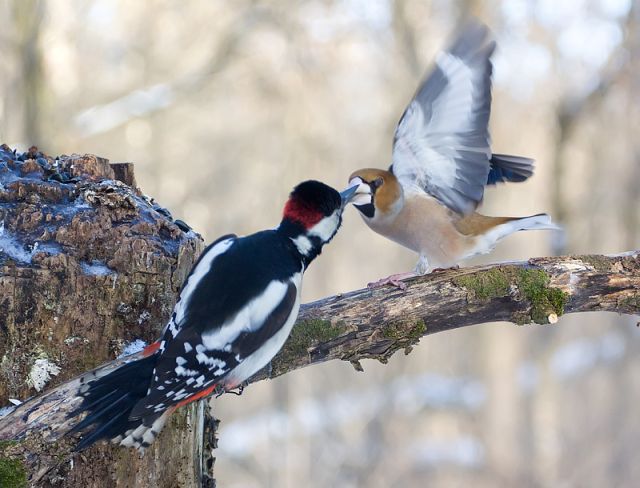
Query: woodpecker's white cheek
[326, 228]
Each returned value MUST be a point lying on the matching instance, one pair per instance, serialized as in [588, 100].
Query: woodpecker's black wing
[237, 305]
[442, 143]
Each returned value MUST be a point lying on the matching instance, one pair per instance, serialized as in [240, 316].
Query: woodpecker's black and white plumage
[235, 311]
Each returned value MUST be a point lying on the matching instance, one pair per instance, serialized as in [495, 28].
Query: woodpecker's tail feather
[108, 400]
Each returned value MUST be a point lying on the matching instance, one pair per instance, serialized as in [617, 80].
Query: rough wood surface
[87, 265]
[353, 326]
[376, 323]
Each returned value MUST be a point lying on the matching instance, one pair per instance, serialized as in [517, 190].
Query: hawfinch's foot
[394, 280]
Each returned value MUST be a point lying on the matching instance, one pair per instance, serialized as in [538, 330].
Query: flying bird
[441, 163]
[234, 313]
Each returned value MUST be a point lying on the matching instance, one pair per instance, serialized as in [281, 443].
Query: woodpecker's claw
[238, 390]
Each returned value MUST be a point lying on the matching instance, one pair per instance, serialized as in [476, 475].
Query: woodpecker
[234, 313]
[441, 163]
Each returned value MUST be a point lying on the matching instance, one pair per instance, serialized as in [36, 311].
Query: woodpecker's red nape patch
[301, 212]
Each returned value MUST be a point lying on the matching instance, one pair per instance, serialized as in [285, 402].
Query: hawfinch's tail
[489, 239]
[533, 222]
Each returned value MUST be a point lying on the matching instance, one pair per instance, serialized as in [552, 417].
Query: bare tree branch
[376, 323]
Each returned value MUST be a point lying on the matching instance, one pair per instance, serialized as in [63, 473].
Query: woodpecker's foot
[394, 280]
[238, 389]
[442, 270]
[234, 390]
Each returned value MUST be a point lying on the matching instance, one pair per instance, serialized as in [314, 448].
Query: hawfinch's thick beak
[348, 194]
[362, 191]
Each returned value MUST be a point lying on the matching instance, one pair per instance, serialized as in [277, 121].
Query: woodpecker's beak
[362, 191]
[348, 194]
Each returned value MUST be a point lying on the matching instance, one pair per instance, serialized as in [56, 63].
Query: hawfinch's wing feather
[509, 168]
[442, 143]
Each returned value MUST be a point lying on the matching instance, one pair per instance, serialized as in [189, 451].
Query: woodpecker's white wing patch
[442, 142]
[251, 363]
[198, 272]
[251, 317]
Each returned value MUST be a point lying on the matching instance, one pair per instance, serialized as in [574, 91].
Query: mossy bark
[87, 265]
[374, 324]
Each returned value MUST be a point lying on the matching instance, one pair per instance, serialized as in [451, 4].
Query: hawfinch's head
[377, 193]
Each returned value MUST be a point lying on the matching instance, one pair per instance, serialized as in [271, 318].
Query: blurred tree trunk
[28, 16]
[631, 212]
[106, 271]
[574, 108]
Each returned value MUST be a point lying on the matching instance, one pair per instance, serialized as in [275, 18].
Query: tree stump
[89, 266]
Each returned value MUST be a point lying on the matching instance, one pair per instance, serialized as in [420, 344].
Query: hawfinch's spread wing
[442, 143]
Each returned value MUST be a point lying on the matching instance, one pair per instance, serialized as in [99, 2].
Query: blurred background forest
[225, 106]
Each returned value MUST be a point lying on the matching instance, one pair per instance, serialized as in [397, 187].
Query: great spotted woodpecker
[442, 161]
[235, 311]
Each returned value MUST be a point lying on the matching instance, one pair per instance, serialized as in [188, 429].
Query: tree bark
[373, 324]
[87, 265]
[45, 311]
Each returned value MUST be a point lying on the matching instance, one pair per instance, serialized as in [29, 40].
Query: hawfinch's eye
[377, 183]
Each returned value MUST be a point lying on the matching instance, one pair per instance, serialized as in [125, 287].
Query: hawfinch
[441, 163]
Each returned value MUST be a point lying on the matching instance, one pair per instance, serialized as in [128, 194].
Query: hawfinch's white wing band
[442, 143]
